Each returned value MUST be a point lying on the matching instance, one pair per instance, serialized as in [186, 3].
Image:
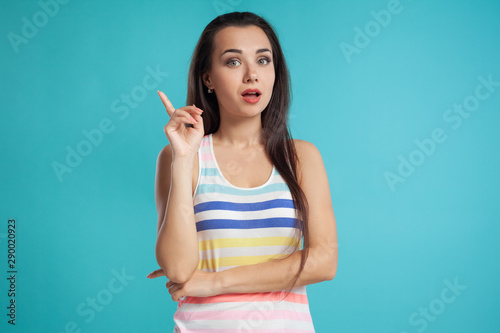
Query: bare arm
[177, 240]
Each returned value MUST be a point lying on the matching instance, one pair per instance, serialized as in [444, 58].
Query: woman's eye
[264, 61]
[232, 62]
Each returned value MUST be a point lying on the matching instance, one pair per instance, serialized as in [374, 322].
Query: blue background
[399, 244]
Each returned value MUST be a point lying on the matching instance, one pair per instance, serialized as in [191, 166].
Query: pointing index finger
[170, 108]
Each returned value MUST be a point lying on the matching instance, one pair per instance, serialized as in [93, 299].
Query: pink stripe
[249, 297]
[206, 157]
[205, 141]
[242, 315]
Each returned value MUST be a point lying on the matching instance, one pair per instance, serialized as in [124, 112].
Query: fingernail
[149, 276]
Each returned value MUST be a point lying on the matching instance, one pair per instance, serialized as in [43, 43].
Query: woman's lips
[251, 98]
[251, 95]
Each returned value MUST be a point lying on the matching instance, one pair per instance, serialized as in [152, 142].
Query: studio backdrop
[402, 99]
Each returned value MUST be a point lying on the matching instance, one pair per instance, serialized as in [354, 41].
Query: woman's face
[242, 60]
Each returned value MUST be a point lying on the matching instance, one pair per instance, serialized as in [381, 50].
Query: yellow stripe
[237, 261]
[245, 242]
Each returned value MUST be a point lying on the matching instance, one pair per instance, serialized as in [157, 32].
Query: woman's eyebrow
[239, 51]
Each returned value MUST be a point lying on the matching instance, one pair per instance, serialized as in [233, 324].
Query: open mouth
[251, 93]
[251, 96]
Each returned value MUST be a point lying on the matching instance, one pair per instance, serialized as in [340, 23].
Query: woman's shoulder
[309, 158]
[305, 149]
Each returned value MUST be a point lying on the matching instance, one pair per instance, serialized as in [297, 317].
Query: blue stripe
[276, 222]
[216, 188]
[243, 207]
[209, 172]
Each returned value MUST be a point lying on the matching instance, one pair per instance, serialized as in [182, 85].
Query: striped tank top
[242, 226]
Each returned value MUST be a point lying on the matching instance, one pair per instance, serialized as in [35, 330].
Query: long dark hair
[279, 145]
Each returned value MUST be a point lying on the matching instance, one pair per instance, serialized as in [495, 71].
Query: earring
[210, 90]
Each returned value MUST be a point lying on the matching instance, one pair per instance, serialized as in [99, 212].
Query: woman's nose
[251, 74]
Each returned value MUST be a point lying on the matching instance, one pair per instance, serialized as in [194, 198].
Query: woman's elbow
[328, 266]
[330, 272]
[178, 271]
[179, 276]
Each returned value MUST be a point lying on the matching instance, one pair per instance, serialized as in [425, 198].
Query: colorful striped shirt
[242, 226]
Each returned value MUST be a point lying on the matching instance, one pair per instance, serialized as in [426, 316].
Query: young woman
[236, 194]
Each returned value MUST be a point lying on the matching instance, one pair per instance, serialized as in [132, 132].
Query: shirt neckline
[227, 181]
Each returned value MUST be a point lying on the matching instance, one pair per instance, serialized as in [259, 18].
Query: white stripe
[247, 233]
[254, 323]
[204, 197]
[247, 306]
[217, 179]
[246, 215]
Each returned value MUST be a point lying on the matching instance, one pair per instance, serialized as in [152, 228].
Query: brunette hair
[279, 145]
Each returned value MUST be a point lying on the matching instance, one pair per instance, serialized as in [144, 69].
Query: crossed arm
[276, 275]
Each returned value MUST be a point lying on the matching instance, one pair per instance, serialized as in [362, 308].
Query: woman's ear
[206, 80]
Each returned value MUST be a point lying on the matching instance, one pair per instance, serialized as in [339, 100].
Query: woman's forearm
[177, 241]
[276, 275]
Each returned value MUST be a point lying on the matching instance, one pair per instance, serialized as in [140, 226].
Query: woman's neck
[239, 132]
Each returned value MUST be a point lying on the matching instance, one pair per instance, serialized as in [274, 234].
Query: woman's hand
[201, 284]
[185, 141]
